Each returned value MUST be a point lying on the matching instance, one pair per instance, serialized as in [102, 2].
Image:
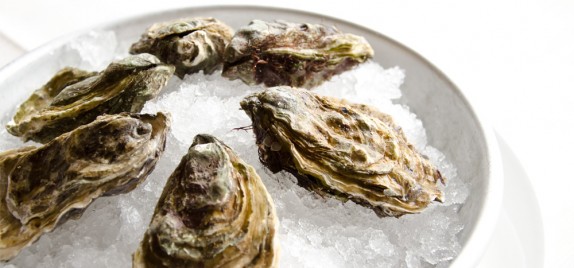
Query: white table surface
[514, 60]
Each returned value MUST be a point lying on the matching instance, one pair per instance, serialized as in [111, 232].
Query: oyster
[345, 150]
[191, 44]
[74, 97]
[214, 212]
[43, 187]
[292, 54]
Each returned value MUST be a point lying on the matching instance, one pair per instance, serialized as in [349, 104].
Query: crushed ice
[313, 232]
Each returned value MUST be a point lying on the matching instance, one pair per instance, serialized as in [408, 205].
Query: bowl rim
[481, 235]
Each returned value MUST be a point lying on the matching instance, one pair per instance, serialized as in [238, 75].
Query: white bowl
[452, 125]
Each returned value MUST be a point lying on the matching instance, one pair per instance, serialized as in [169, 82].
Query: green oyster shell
[43, 187]
[74, 97]
[293, 54]
[191, 44]
[214, 212]
[340, 149]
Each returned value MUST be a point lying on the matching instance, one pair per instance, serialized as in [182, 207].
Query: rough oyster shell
[293, 54]
[214, 212]
[43, 187]
[74, 97]
[191, 44]
[336, 148]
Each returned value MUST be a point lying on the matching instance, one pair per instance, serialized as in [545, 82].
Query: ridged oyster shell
[214, 212]
[43, 187]
[74, 97]
[191, 44]
[293, 54]
[335, 148]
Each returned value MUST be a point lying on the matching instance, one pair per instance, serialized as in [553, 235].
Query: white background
[514, 60]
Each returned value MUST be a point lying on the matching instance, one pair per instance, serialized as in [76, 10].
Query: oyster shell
[74, 97]
[345, 150]
[214, 212]
[43, 187]
[191, 44]
[293, 54]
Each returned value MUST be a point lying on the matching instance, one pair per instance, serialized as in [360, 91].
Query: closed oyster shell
[214, 212]
[293, 54]
[74, 97]
[345, 150]
[191, 44]
[43, 187]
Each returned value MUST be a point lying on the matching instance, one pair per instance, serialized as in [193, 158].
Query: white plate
[452, 124]
[519, 237]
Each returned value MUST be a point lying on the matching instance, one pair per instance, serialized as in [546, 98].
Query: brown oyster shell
[214, 212]
[74, 97]
[42, 187]
[335, 148]
[293, 54]
[191, 44]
